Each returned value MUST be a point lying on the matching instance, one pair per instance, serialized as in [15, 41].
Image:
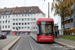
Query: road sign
[19, 27]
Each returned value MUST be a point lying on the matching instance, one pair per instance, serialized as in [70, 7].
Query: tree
[63, 9]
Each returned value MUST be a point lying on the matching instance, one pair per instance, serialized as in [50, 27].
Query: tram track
[27, 43]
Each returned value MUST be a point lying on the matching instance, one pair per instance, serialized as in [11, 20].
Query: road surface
[5, 42]
[27, 43]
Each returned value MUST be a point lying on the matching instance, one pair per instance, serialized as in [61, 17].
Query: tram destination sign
[45, 22]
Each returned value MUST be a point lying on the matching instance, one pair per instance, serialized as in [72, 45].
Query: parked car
[3, 35]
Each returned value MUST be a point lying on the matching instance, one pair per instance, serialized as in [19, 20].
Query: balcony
[68, 25]
[68, 18]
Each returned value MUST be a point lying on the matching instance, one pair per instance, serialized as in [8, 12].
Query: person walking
[55, 34]
[58, 34]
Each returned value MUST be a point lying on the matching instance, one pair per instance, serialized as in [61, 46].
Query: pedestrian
[58, 34]
[15, 33]
[55, 34]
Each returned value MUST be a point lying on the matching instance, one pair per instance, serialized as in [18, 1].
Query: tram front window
[46, 29]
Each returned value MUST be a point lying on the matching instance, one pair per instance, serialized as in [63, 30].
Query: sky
[43, 5]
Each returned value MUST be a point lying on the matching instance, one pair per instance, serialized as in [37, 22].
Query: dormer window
[29, 10]
[16, 11]
[2, 12]
[24, 10]
[8, 12]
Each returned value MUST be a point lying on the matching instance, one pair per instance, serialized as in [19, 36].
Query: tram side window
[37, 29]
[53, 30]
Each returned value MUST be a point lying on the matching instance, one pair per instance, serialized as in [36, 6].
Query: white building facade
[22, 17]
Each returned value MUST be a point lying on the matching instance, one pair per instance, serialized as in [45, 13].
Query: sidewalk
[65, 42]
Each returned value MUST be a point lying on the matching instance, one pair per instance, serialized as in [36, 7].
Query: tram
[43, 30]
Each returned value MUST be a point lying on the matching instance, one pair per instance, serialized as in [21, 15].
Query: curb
[66, 45]
[11, 44]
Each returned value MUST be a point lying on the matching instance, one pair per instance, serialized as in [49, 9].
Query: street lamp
[48, 9]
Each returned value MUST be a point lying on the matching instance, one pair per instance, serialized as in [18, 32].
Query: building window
[0, 17]
[25, 19]
[13, 23]
[16, 11]
[19, 19]
[3, 17]
[29, 10]
[16, 15]
[13, 27]
[13, 19]
[8, 16]
[3, 21]
[22, 14]
[25, 23]
[22, 27]
[28, 27]
[22, 23]
[25, 14]
[71, 20]
[24, 10]
[3, 26]
[19, 23]
[8, 12]
[19, 14]
[8, 26]
[22, 19]
[28, 23]
[34, 18]
[16, 19]
[8, 21]
[16, 23]
[28, 14]
[0, 21]
[25, 27]
[28, 19]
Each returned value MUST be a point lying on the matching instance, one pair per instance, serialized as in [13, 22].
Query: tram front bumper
[46, 40]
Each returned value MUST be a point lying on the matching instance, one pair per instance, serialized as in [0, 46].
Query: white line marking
[18, 45]
[31, 45]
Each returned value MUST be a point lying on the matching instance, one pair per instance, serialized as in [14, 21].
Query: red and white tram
[43, 30]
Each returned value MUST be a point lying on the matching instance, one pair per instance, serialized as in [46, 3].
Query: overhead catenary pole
[48, 11]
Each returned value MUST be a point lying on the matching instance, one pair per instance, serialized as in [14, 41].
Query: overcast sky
[43, 5]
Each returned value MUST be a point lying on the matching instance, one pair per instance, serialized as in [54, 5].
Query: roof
[20, 10]
[45, 19]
